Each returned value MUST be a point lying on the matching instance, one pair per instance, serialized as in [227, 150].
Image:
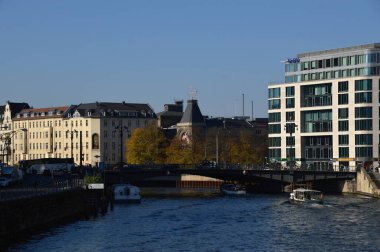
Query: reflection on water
[211, 222]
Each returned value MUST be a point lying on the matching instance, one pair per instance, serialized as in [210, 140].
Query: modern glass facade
[332, 98]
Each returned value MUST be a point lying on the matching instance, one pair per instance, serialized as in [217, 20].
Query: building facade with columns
[98, 131]
[326, 114]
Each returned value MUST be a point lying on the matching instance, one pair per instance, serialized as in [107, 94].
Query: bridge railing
[213, 165]
[30, 191]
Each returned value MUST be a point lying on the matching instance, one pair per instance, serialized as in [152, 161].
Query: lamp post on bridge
[121, 129]
[72, 132]
[291, 128]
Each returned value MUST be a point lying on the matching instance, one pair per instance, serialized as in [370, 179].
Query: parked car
[4, 182]
[207, 164]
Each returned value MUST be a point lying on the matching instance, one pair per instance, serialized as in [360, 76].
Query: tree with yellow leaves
[147, 146]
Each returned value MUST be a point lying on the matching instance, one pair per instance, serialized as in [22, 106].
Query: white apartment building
[101, 129]
[326, 114]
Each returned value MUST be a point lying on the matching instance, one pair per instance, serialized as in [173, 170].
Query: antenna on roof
[252, 110]
[193, 93]
[243, 104]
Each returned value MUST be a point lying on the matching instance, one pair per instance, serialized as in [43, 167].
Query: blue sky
[55, 53]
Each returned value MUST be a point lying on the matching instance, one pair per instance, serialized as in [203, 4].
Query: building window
[274, 92]
[274, 141]
[289, 91]
[274, 104]
[343, 139]
[363, 97]
[363, 152]
[343, 113]
[363, 85]
[274, 117]
[290, 141]
[290, 103]
[343, 86]
[343, 99]
[363, 124]
[316, 95]
[317, 121]
[343, 125]
[274, 128]
[95, 141]
[343, 152]
[363, 112]
[274, 153]
[290, 117]
[363, 139]
[290, 153]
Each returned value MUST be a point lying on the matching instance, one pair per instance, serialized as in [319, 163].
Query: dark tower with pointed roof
[192, 122]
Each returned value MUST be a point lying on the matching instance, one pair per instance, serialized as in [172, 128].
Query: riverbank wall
[20, 217]
[367, 184]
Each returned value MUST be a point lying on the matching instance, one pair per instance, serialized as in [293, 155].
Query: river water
[210, 222]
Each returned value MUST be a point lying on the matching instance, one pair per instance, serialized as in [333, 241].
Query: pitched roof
[44, 110]
[37, 113]
[192, 113]
[16, 107]
[98, 109]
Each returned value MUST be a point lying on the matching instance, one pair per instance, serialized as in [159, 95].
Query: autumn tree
[248, 149]
[147, 146]
[179, 152]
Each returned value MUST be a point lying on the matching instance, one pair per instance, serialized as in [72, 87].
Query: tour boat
[302, 195]
[233, 189]
[126, 193]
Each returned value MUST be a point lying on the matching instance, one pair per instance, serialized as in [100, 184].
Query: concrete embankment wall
[365, 185]
[26, 215]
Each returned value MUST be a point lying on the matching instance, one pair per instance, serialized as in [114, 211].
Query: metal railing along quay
[30, 191]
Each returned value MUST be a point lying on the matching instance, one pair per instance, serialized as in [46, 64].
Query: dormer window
[76, 114]
[89, 113]
[25, 115]
[51, 112]
[32, 114]
[42, 113]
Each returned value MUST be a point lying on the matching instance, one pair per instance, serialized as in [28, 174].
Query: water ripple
[256, 223]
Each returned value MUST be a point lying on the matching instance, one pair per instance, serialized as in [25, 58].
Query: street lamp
[72, 141]
[121, 129]
[291, 128]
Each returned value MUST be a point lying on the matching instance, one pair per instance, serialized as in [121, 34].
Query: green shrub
[93, 179]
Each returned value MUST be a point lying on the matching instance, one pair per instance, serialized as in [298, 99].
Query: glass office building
[326, 113]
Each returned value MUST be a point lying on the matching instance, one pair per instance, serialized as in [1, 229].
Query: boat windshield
[307, 195]
[312, 195]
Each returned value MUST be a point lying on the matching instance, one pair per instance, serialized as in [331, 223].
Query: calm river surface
[210, 222]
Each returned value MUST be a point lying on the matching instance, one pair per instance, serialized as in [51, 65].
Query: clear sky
[55, 53]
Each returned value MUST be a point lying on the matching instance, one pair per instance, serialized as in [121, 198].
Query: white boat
[126, 193]
[233, 189]
[302, 195]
